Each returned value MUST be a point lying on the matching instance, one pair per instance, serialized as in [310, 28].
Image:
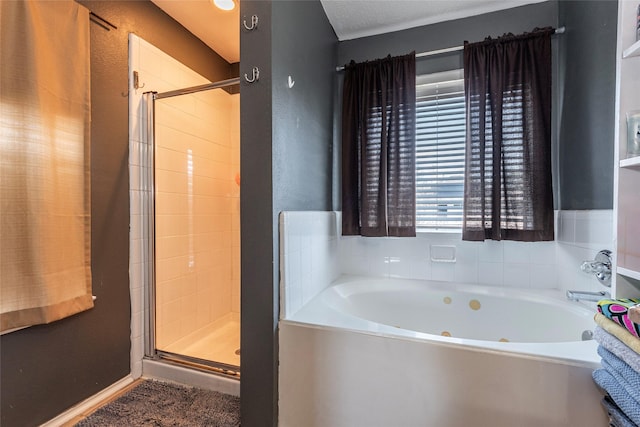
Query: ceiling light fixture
[224, 4]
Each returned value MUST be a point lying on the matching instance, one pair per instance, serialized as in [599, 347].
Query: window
[440, 147]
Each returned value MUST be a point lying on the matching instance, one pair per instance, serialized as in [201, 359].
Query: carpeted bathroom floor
[155, 403]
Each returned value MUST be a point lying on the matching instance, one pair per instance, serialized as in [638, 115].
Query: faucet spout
[587, 296]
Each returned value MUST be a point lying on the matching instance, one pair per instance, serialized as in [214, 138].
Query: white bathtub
[376, 352]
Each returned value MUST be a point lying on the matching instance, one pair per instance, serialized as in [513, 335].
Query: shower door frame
[149, 249]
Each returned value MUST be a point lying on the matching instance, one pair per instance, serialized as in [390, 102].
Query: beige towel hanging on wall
[45, 223]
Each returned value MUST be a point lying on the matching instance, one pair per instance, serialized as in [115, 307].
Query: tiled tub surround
[342, 374]
[580, 235]
[309, 256]
[213, 171]
[546, 265]
[316, 253]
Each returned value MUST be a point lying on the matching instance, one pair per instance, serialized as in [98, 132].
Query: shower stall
[193, 233]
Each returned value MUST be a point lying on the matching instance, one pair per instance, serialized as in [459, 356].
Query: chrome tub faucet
[600, 266]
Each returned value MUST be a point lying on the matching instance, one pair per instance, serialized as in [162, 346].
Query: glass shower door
[196, 193]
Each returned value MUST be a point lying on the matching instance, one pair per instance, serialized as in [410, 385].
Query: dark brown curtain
[508, 190]
[378, 148]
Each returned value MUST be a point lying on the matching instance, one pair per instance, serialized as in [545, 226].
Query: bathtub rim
[317, 314]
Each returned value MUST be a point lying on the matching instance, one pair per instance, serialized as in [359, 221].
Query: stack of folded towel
[619, 339]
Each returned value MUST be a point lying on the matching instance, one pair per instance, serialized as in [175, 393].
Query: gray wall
[46, 369]
[587, 107]
[259, 296]
[286, 143]
[583, 91]
[454, 33]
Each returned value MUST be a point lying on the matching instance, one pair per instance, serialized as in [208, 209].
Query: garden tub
[398, 352]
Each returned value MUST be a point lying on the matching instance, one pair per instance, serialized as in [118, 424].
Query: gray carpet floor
[154, 403]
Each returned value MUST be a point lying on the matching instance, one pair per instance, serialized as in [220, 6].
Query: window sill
[426, 232]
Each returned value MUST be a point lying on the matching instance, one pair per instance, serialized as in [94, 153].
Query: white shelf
[629, 273]
[631, 162]
[633, 50]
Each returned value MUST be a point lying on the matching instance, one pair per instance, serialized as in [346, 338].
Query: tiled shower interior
[197, 219]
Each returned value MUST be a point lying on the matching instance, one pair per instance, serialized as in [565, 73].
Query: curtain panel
[378, 147]
[508, 189]
[45, 248]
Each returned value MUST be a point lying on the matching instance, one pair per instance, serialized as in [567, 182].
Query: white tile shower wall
[308, 256]
[580, 234]
[159, 72]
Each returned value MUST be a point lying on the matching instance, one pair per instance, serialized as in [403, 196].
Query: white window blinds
[440, 147]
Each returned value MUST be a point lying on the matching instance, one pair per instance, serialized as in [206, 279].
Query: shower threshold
[208, 366]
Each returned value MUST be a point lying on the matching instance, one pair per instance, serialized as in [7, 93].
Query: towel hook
[136, 81]
[255, 75]
[254, 23]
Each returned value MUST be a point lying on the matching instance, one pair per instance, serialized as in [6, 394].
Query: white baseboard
[89, 403]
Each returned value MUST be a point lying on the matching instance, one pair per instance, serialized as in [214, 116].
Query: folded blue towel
[616, 416]
[626, 403]
[617, 347]
[626, 377]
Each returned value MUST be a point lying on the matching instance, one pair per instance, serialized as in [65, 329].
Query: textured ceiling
[360, 18]
[350, 19]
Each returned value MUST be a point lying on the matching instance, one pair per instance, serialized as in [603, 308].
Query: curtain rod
[559, 30]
